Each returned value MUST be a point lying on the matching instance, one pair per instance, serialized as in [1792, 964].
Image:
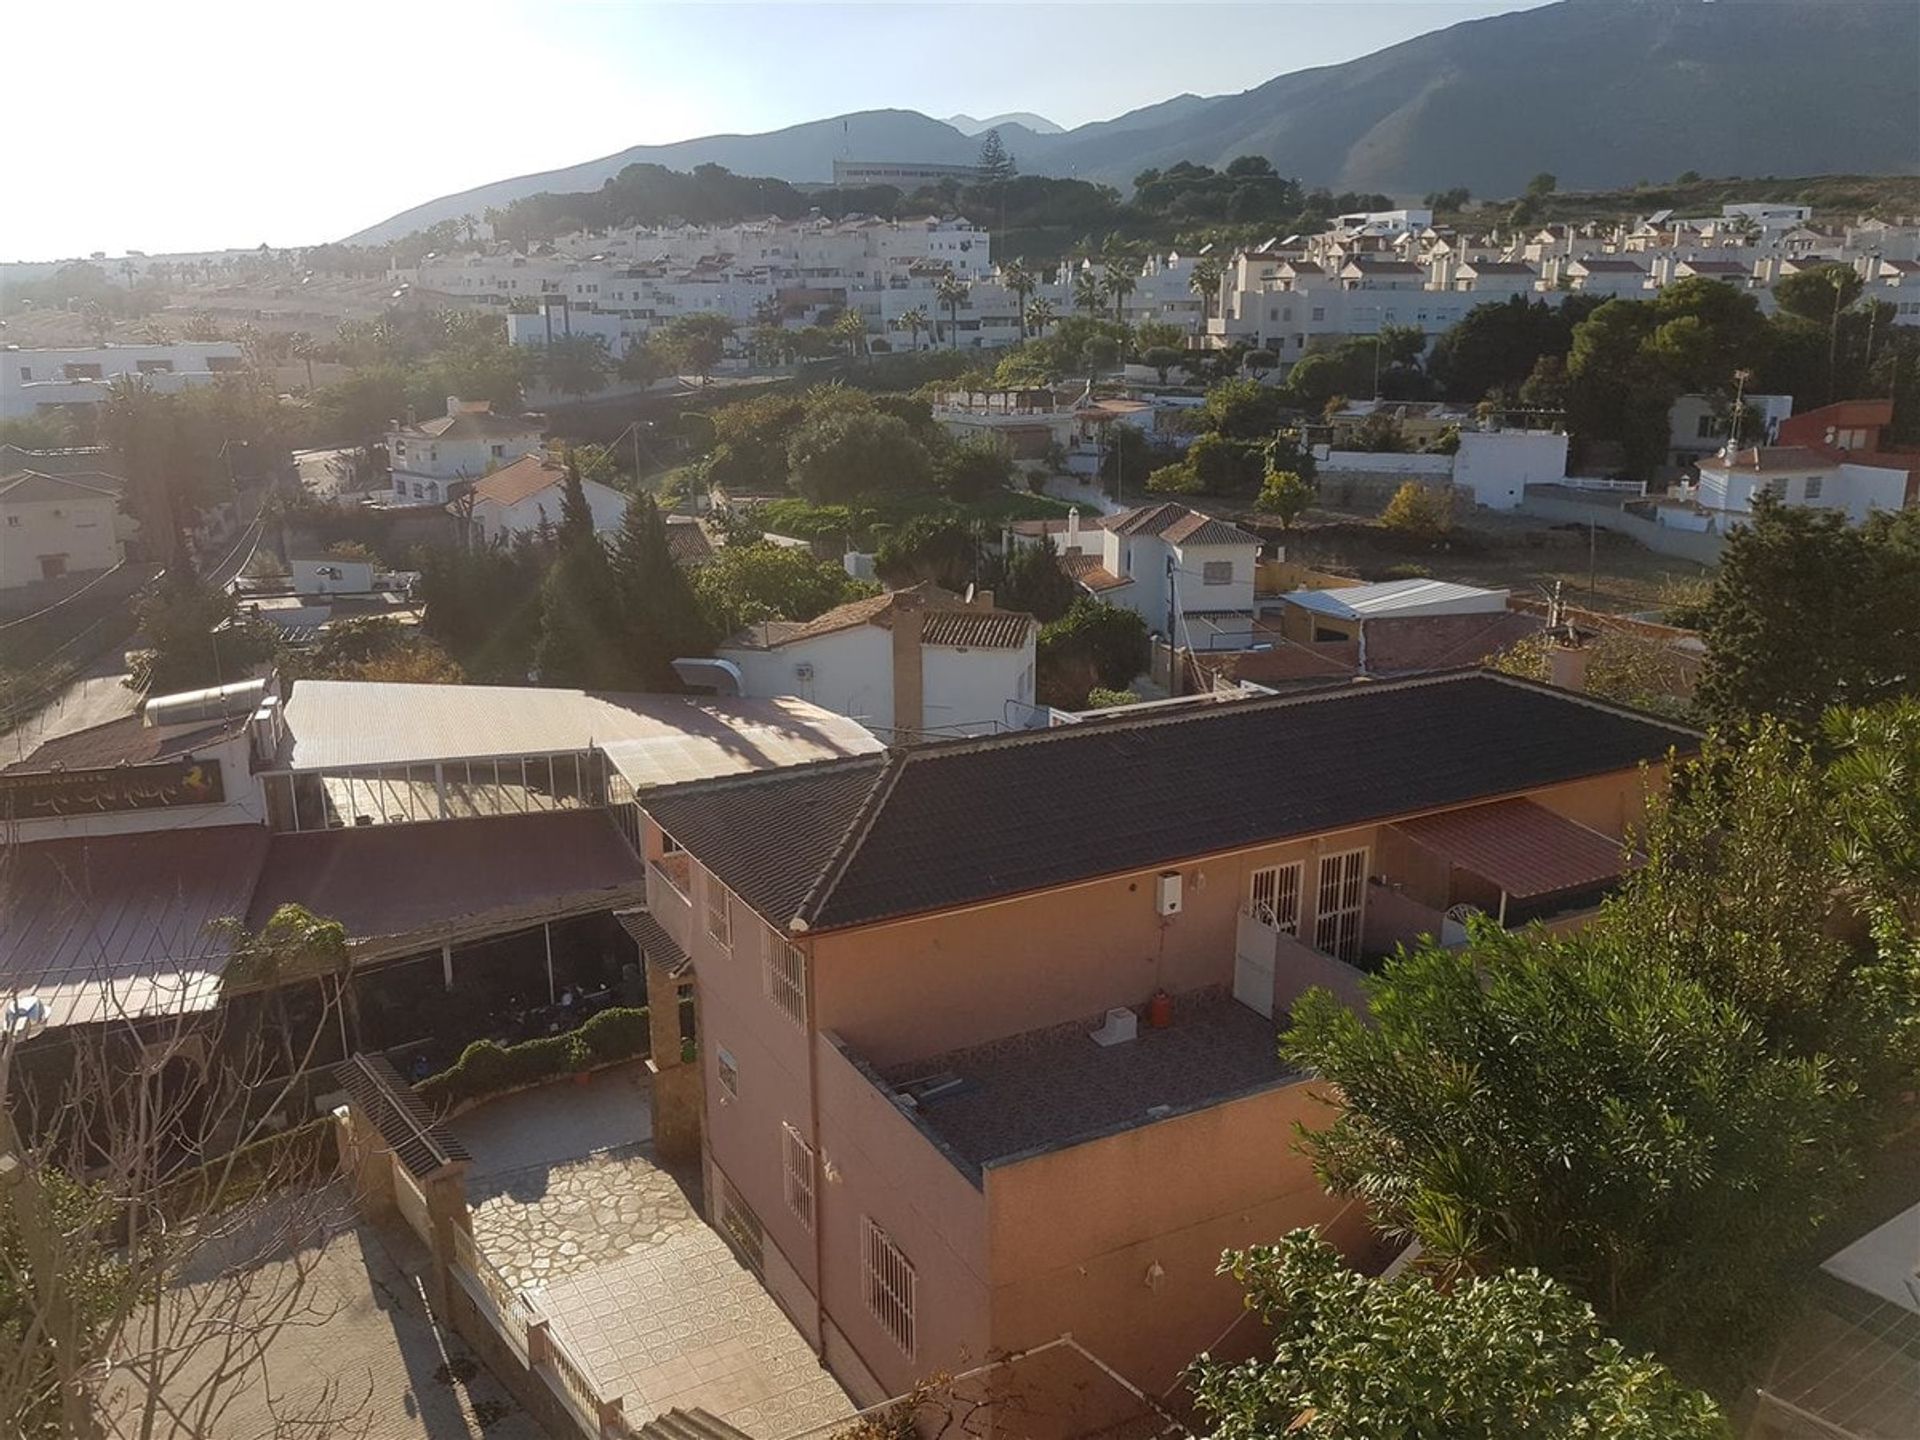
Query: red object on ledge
[1160, 1010]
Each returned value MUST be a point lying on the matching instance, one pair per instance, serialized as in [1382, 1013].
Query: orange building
[988, 1028]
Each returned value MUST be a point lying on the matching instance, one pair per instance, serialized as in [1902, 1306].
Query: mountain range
[1038, 124]
[1599, 93]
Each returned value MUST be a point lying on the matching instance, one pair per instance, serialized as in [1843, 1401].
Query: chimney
[909, 620]
[1567, 664]
[453, 405]
[982, 599]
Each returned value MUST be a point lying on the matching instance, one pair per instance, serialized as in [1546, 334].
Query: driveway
[569, 1204]
[334, 1339]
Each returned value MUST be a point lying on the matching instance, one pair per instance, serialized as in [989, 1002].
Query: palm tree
[300, 346]
[1021, 282]
[852, 328]
[1119, 285]
[915, 321]
[1205, 282]
[1086, 292]
[1039, 315]
[952, 293]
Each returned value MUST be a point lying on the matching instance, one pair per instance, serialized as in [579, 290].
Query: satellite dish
[968, 598]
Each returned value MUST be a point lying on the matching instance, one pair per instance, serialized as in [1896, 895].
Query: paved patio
[570, 1206]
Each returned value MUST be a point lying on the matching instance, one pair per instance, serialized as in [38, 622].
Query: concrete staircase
[694, 1424]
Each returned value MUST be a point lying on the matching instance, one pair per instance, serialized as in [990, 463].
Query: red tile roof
[1089, 572]
[522, 480]
[1524, 848]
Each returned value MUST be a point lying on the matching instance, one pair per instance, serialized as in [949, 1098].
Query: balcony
[670, 896]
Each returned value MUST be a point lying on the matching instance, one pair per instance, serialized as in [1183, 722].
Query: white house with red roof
[519, 498]
[463, 444]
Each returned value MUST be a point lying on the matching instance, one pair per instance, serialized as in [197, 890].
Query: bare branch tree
[166, 1215]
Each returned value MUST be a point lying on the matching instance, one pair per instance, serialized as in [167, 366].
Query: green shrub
[620, 1034]
[485, 1068]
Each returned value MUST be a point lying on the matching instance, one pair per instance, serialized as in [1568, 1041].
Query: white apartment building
[40, 381]
[468, 441]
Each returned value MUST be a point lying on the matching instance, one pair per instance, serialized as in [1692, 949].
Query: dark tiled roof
[401, 1117]
[126, 741]
[774, 862]
[652, 938]
[953, 824]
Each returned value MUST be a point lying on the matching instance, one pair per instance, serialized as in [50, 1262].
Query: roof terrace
[1054, 1087]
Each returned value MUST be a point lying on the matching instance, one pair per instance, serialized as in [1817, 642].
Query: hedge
[298, 1155]
[485, 1068]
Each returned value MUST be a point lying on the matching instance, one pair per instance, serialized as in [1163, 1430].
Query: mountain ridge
[1600, 93]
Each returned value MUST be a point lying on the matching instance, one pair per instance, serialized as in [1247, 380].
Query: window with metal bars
[719, 912]
[1342, 897]
[889, 1281]
[1274, 896]
[742, 1227]
[787, 979]
[798, 1156]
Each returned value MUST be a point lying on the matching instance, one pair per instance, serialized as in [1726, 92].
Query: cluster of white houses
[1366, 271]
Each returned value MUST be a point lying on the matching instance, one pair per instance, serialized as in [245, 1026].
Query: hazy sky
[179, 127]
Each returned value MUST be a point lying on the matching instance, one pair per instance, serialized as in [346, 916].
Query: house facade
[912, 662]
[976, 1073]
[521, 497]
[464, 444]
[56, 525]
[1798, 476]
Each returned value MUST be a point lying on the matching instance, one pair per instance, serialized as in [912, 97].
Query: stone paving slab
[543, 1223]
[683, 1324]
[569, 1205]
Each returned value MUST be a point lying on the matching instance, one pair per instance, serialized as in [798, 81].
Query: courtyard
[570, 1206]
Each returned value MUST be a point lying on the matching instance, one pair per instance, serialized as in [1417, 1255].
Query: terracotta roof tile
[1089, 572]
[522, 480]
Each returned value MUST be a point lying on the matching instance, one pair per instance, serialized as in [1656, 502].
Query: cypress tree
[659, 616]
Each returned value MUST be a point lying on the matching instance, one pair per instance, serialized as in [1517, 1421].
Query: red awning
[1524, 848]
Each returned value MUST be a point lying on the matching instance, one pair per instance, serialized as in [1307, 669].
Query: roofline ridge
[1590, 700]
[759, 777]
[871, 804]
[945, 748]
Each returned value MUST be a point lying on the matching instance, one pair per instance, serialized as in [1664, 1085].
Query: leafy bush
[1179, 479]
[1101, 698]
[485, 1068]
[1421, 512]
[618, 1034]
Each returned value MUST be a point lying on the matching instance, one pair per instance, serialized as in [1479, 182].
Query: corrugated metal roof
[396, 887]
[115, 926]
[654, 739]
[1400, 597]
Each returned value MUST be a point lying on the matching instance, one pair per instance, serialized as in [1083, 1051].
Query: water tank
[219, 703]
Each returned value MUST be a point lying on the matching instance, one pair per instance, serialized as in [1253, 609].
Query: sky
[214, 125]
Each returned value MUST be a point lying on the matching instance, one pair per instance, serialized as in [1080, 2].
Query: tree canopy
[1511, 1356]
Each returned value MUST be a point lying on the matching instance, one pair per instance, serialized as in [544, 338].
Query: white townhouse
[518, 499]
[426, 457]
[56, 525]
[915, 662]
